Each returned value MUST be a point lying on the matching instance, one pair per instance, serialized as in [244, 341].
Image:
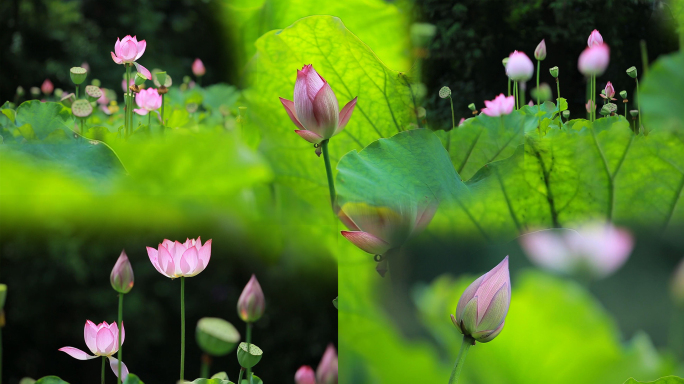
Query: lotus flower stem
[104, 358]
[638, 107]
[149, 120]
[460, 360]
[127, 109]
[248, 339]
[182, 363]
[1, 314]
[162, 114]
[331, 183]
[593, 97]
[509, 86]
[242, 370]
[204, 370]
[558, 91]
[515, 94]
[118, 377]
[77, 87]
[453, 124]
[538, 68]
[644, 56]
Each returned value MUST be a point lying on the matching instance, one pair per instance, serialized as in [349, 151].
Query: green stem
[103, 368]
[638, 106]
[515, 94]
[77, 87]
[593, 97]
[558, 90]
[242, 370]
[328, 170]
[149, 120]
[162, 114]
[1, 351]
[249, 341]
[460, 360]
[121, 296]
[182, 363]
[204, 372]
[127, 108]
[538, 67]
[509, 86]
[644, 56]
[453, 124]
[626, 111]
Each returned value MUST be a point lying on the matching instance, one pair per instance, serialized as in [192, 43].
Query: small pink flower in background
[103, 100]
[148, 100]
[460, 122]
[595, 38]
[589, 106]
[501, 105]
[594, 60]
[326, 373]
[128, 50]
[198, 68]
[519, 67]
[483, 306]
[540, 51]
[596, 249]
[305, 375]
[251, 304]
[102, 340]
[315, 110]
[610, 92]
[85, 66]
[47, 87]
[531, 103]
[175, 259]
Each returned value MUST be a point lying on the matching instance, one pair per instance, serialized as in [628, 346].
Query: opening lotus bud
[81, 108]
[216, 337]
[554, 72]
[445, 92]
[68, 100]
[623, 94]
[327, 370]
[122, 278]
[540, 51]
[472, 107]
[249, 357]
[519, 67]
[632, 72]
[93, 93]
[78, 75]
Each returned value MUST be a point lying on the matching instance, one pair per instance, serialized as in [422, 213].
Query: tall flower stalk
[632, 72]
[122, 280]
[445, 92]
[540, 55]
[3, 296]
[126, 52]
[250, 308]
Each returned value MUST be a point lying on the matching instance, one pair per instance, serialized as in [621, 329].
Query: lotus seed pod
[93, 92]
[554, 72]
[68, 100]
[472, 107]
[160, 78]
[623, 94]
[421, 113]
[215, 336]
[632, 72]
[186, 79]
[605, 111]
[612, 108]
[81, 108]
[634, 112]
[167, 80]
[139, 79]
[78, 75]
[96, 82]
[191, 107]
[248, 359]
[566, 113]
[544, 92]
[444, 92]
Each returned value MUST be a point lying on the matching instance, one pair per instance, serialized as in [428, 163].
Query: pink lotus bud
[609, 92]
[531, 103]
[589, 106]
[102, 340]
[519, 67]
[175, 259]
[198, 68]
[47, 87]
[379, 229]
[103, 100]
[594, 60]
[595, 38]
[595, 249]
[677, 286]
[315, 110]
[148, 100]
[460, 122]
[540, 51]
[121, 277]
[483, 306]
[501, 105]
[326, 373]
[128, 50]
[305, 375]
[85, 66]
[251, 303]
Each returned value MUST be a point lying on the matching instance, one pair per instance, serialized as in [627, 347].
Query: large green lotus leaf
[662, 380]
[379, 24]
[218, 95]
[384, 102]
[44, 118]
[661, 97]
[51, 380]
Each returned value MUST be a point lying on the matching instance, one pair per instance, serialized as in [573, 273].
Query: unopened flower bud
[326, 373]
[483, 306]
[472, 107]
[81, 108]
[554, 72]
[249, 357]
[121, 277]
[305, 375]
[3, 296]
[198, 68]
[519, 67]
[20, 91]
[78, 75]
[92, 92]
[445, 92]
[251, 303]
[634, 112]
[215, 336]
[47, 87]
[623, 94]
[566, 113]
[540, 51]
[68, 100]
[35, 91]
[632, 72]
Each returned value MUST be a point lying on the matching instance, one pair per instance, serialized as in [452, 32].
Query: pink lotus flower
[501, 105]
[47, 87]
[595, 38]
[103, 100]
[483, 306]
[460, 122]
[128, 50]
[594, 60]
[305, 375]
[519, 67]
[531, 103]
[326, 373]
[148, 100]
[376, 230]
[102, 340]
[595, 249]
[175, 259]
[589, 106]
[198, 68]
[315, 110]
[610, 92]
[540, 51]
[251, 304]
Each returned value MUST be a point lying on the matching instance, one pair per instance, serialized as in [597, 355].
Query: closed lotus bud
[519, 67]
[78, 75]
[608, 92]
[305, 375]
[249, 357]
[540, 51]
[47, 87]
[326, 373]
[632, 72]
[121, 277]
[472, 107]
[444, 92]
[634, 112]
[3, 296]
[251, 303]
[676, 287]
[483, 306]
[595, 38]
[566, 113]
[623, 94]
[594, 60]
[198, 68]
[554, 72]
